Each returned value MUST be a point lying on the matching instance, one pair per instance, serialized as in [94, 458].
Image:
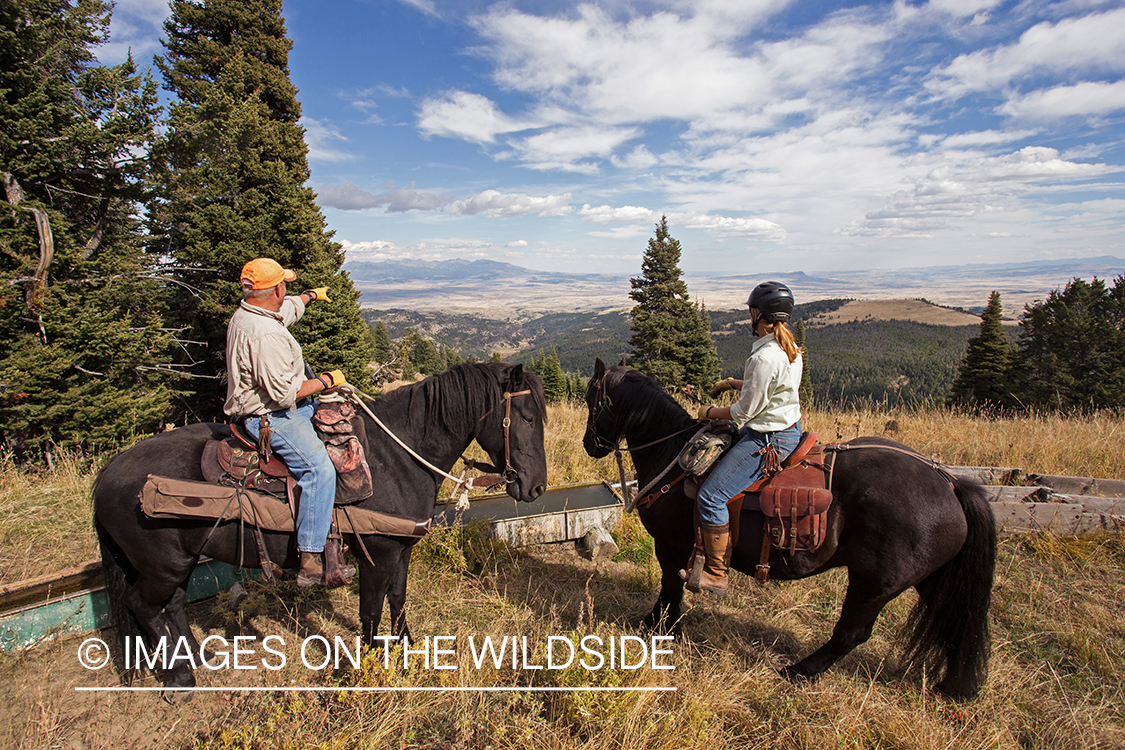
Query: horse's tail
[950, 620]
[115, 569]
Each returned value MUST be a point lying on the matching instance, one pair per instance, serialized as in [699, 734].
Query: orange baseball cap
[262, 273]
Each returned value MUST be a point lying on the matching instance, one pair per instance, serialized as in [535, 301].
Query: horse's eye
[529, 420]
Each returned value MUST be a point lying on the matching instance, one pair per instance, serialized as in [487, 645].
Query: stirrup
[693, 576]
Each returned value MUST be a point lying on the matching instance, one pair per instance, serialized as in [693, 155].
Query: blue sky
[775, 136]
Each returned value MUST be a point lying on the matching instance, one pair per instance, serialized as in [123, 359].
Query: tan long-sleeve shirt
[265, 367]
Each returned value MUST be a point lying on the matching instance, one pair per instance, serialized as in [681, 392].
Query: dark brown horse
[895, 522]
[147, 562]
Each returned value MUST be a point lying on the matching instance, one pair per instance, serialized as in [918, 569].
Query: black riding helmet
[773, 299]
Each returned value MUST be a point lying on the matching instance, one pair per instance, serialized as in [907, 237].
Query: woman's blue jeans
[293, 437]
[740, 468]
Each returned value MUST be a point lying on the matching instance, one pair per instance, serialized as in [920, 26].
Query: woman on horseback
[768, 412]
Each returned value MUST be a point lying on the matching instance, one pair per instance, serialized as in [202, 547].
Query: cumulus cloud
[461, 114]
[498, 204]
[1090, 44]
[958, 192]
[349, 197]
[1083, 99]
[717, 226]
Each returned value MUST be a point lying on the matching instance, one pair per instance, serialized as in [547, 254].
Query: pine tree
[554, 380]
[804, 391]
[1071, 351]
[984, 378]
[671, 336]
[83, 357]
[234, 166]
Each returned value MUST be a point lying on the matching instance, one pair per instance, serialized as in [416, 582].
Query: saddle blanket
[164, 497]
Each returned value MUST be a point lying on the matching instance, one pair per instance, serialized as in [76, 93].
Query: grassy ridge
[1058, 641]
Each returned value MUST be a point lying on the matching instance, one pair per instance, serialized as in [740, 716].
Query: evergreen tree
[554, 380]
[984, 378]
[83, 357]
[234, 166]
[1071, 351]
[671, 336]
[382, 350]
[804, 391]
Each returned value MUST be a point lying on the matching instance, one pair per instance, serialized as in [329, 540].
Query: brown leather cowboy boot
[716, 558]
[311, 572]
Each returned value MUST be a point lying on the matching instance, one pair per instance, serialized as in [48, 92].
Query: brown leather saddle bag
[234, 460]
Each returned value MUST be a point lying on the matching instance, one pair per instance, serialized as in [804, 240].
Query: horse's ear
[599, 368]
[515, 378]
[621, 363]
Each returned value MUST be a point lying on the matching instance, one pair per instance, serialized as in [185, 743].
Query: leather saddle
[233, 459]
[794, 501]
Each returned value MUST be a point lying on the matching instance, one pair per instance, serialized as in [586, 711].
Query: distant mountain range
[505, 291]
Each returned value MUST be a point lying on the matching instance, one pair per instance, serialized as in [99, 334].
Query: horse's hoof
[796, 677]
[177, 697]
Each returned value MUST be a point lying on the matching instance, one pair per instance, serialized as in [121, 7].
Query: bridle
[508, 472]
[602, 401]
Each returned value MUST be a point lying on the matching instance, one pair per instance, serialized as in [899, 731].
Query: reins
[357, 396]
[603, 400]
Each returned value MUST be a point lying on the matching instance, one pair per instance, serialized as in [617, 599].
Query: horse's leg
[864, 600]
[396, 594]
[145, 600]
[665, 614]
[374, 581]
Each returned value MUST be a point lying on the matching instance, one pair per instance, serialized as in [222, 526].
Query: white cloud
[319, 135]
[958, 192]
[461, 114]
[498, 204]
[618, 215]
[726, 226]
[639, 158]
[984, 138]
[1090, 44]
[349, 197]
[569, 149]
[1086, 99]
[964, 7]
[717, 226]
[517, 243]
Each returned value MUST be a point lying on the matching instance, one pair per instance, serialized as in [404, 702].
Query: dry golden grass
[1058, 655]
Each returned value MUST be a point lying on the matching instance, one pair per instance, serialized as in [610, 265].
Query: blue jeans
[740, 468]
[293, 437]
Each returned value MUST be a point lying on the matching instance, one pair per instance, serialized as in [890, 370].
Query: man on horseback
[768, 411]
[268, 390]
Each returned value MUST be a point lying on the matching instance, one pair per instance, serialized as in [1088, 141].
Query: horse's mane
[462, 393]
[640, 400]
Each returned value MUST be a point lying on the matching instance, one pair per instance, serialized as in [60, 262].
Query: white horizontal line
[378, 689]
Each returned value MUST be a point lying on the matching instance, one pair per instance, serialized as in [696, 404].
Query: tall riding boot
[336, 573]
[716, 558]
[311, 572]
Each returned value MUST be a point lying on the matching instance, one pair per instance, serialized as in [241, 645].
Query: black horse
[147, 562]
[894, 522]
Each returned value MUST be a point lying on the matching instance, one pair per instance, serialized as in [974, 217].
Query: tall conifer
[83, 357]
[234, 166]
[984, 378]
[671, 336]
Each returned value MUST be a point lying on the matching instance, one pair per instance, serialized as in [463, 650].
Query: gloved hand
[321, 292]
[335, 378]
[722, 385]
[701, 415]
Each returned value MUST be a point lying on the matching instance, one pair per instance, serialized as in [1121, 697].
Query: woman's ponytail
[784, 338]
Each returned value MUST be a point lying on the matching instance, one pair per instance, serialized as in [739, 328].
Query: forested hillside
[876, 360]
